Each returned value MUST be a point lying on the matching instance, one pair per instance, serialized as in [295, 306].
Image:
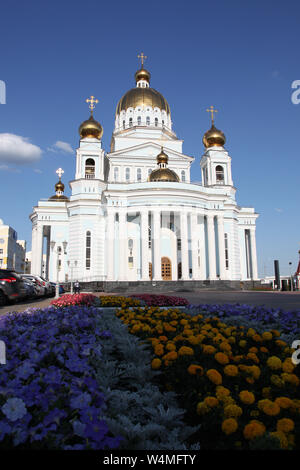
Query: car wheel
[3, 299]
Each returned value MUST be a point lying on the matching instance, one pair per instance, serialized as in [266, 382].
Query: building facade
[12, 250]
[135, 215]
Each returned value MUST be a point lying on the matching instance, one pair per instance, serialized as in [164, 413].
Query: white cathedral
[134, 214]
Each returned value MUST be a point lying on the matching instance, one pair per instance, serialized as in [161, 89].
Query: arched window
[116, 173]
[139, 174]
[130, 122]
[90, 168]
[127, 174]
[156, 122]
[219, 174]
[124, 124]
[139, 120]
[88, 250]
[148, 120]
[183, 175]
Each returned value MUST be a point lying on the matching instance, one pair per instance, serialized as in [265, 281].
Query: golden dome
[59, 186]
[59, 198]
[142, 74]
[142, 97]
[163, 173]
[214, 138]
[91, 128]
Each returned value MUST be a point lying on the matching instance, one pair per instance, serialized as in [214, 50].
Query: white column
[145, 247]
[123, 246]
[184, 246]
[33, 250]
[110, 243]
[253, 253]
[156, 240]
[39, 250]
[211, 247]
[221, 243]
[195, 238]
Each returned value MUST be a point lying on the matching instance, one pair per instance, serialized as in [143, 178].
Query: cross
[92, 101]
[60, 172]
[142, 57]
[212, 111]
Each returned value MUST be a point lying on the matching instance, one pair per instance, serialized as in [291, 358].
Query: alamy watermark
[296, 94]
[2, 92]
[296, 354]
[2, 352]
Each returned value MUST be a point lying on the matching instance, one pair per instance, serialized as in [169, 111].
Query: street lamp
[72, 264]
[291, 277]
[58, 251]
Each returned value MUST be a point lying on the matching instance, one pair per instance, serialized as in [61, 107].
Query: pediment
[148, 150]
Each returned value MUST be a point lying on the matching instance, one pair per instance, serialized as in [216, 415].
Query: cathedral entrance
[166, 269]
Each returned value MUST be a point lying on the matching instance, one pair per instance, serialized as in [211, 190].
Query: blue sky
[241, 57]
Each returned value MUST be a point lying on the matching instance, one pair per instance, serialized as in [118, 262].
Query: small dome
[91, 128]
[214, 138]
[162, 173]
[58, 198]
[142, 74]
[59, 186]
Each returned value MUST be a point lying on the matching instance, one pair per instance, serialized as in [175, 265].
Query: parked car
[31, 291]
[41, 289]
[61, 288]
[12, 287]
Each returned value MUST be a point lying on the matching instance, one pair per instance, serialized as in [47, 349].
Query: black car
[11, 286]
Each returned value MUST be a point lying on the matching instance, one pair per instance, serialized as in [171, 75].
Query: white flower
[14, 409]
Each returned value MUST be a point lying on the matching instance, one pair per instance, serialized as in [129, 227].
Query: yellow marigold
[211, 401]
[288, 366]
[253, 350]
[263, 349]
[267, 336]
[194, 369]
[163, 338]
[257, 338]
[271, 408]
[193, 340]
[255, 372]
[156, 363]
[185, 351]
[135, 328]
[214, 376]
[202, 408]
[285, 425]
[170, 347]
[171, 356]
[231, 340]
[280, 343]
[158, 350]
[295, 406]
[231, 370]
[221, 358]
[274, 363]
[232, 411]
[277, 380]
[247, 397]
[227, 401]
[290, 378]
[254, 429]
[222, 392]
[251, 332]
[207, 349]
[243, 343]
[284, 402]
[224, 346]
[281, 438]
[229, 426]
[184, 322]
[253, 357]
[237, 358]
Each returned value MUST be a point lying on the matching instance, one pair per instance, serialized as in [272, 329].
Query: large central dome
[142, 96]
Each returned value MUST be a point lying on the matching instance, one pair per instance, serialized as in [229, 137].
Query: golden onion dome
[142, 74]
[91, 128]
[162, 173]
[59, 186]
[214, 138]
[142, 96]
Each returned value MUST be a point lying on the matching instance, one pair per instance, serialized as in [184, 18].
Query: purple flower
[81, 401]
[14, 409]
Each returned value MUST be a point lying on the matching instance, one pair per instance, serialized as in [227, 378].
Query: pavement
[283, 300]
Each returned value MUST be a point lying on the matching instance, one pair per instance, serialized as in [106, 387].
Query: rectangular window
[1, 251]
[226, 251]
[178, 244]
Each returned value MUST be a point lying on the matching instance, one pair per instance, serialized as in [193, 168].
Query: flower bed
[161, 300]
[49, 396]
[117, 301]
[240, 386]
[74, 299]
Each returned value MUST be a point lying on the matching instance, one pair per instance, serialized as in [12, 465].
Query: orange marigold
[285, 425]
[274, 363]
[247, 397]
[185, 351]
[214, 376]
[254, 429]
[194, 369]
[211, 401]
[207, 349]
[232, 411]
[221, 358]
[231, 370]
[284, 402]
[229, 426]
[156, 363]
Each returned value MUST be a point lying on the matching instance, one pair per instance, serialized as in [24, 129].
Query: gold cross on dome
[142, 57]
[92, 101]
[212, 111]
[60, 172]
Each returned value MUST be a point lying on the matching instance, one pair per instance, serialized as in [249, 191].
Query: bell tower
[215, 163]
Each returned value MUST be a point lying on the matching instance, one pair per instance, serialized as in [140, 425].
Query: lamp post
[291, 277]
[58, 251]
[72, 264]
